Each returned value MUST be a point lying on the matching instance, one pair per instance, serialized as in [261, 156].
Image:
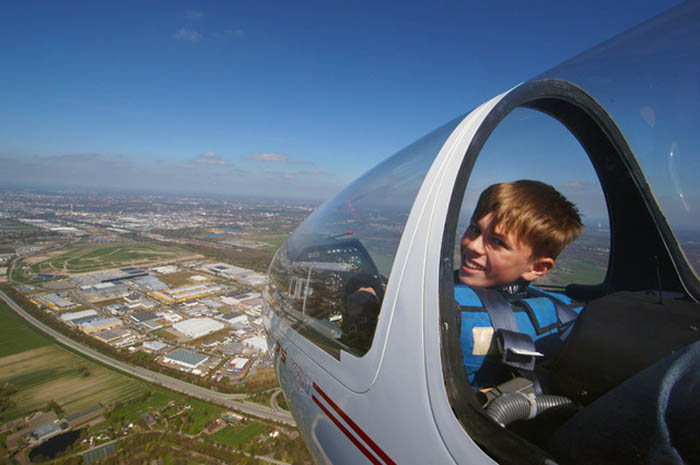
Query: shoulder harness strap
[517, 349]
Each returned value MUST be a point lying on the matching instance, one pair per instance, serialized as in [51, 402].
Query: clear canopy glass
[648, 79]
[328, 279]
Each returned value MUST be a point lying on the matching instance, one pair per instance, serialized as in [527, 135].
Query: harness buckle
[517, 349]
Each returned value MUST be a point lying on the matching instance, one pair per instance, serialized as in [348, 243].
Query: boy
[516, 232]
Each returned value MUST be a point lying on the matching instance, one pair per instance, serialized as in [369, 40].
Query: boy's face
[492, 257]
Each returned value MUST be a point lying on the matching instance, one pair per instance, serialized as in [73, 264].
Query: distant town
[170, 284]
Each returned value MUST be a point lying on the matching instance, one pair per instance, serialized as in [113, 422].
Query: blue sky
[284, 99]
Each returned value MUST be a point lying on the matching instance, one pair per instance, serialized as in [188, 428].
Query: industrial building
[198, 327]
[154, 346]
[110, 336]
[143, 317]
[236, 366]
[170, 317]
[183, 294]
[82, 321]
[100, 325]
[166, 269]
[234, 317]
[118, 309]
[232, 348]
[256, 342]
[152, 325]
[69, 317]
[237, 273]
[134, 300]
[58, 301]
[108, 290]
[96, 277]
[149, 283]
[187, 359]
[252, 305]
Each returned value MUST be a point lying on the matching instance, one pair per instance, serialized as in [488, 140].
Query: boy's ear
[539, 267]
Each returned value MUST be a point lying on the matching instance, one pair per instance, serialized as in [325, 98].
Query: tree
[58, 410]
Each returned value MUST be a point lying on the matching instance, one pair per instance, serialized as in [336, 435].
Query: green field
[16, 336]
[233, 437]
[96, 257]
[199, 414]
[42, 371]
[275, 240]
[574, 271]
[132, 411]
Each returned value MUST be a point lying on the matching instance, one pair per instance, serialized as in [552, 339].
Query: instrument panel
[334, 269]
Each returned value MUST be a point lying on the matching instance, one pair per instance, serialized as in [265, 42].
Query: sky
[276, 99]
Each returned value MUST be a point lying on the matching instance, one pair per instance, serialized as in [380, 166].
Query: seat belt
[565, 314]
[517, 349]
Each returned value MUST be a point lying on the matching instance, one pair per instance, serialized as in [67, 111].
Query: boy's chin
[474, 280]
[479, 280]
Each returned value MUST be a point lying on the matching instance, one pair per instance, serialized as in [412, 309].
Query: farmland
[43, 372]
[17, 337]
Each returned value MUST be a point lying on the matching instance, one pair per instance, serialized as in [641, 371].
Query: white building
[170, 317]
[78, 315]
[167, 269]
[154, 346]
[198, 327]
[256, 342]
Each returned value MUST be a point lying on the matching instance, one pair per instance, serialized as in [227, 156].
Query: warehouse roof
[197, 327]
[186, 357]
[78, 315]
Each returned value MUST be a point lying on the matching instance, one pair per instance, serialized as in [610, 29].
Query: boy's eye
[500, 243]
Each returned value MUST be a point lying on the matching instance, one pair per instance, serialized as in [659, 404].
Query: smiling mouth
[471, 265]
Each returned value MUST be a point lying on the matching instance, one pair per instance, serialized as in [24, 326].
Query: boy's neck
[510, 290]
[513, 289]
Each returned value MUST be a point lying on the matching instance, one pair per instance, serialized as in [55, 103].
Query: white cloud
[271, 157]
[212, 159]
[187, 35]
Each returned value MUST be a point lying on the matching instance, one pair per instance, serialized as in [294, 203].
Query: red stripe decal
[354, 426]
[350, 436]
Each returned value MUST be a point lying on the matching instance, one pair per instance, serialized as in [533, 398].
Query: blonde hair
[534, 212]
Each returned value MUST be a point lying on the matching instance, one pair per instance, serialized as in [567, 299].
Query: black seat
[617, 336]
[653, 418]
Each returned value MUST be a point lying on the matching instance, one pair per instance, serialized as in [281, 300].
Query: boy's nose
[476, 245]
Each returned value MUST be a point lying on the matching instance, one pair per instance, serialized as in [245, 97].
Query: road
[273, 401]
[227, 400]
